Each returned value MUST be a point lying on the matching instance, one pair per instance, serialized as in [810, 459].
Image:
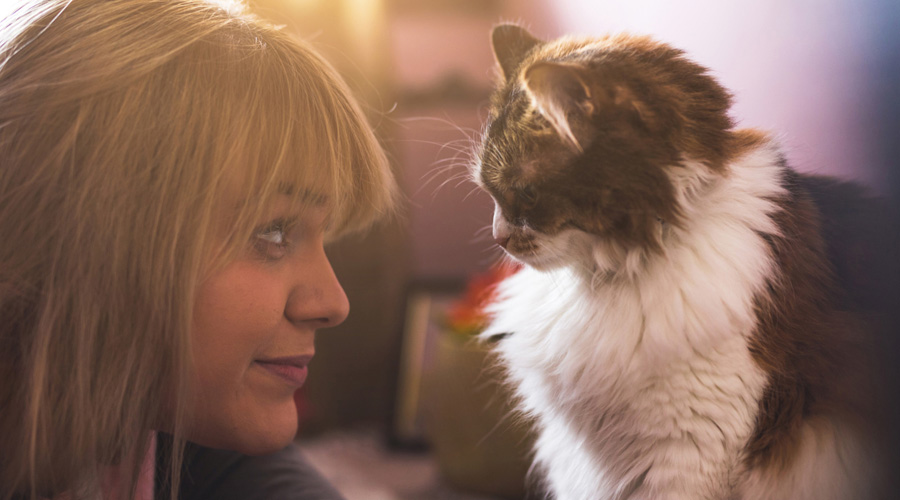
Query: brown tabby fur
[813, 350]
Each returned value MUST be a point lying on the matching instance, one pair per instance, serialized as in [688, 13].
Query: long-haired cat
[676, 332]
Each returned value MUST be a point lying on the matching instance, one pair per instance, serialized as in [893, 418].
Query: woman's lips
[290, 369]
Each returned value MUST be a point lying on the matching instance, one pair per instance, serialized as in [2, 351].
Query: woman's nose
[317, 299]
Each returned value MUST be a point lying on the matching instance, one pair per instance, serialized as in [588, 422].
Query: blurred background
[821, 74]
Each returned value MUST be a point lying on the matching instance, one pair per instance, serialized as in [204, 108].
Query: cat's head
[585, 140]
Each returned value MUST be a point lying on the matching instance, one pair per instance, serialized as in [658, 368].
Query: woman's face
[254, 324]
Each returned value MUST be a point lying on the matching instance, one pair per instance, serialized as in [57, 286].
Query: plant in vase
[480, 443]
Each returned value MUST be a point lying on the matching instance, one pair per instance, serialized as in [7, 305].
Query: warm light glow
[365, 18]
[306, 4]
[233, 6]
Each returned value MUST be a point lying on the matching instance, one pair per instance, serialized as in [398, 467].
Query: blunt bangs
[295, 129]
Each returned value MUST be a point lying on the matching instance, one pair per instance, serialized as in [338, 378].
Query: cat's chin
[540, 262]
[567, 248]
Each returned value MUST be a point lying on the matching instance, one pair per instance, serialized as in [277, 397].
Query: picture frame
[427, 302]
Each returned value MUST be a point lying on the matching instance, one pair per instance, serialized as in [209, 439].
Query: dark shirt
[209, 474]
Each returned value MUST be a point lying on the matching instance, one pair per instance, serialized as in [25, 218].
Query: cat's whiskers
[459, 179]
[467, 145]
[452, 169]
[432, 177]
[463, 151]
[496, 257]
[472, 191]
[440, 120]
[482, 234]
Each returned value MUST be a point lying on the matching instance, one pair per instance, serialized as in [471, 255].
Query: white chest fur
[612, 407]
[642, 386]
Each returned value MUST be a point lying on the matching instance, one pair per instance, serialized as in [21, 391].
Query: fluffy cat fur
[675, 332]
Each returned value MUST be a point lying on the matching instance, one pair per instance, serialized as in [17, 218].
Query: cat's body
[675, 332]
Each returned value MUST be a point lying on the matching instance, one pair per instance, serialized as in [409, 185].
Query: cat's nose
[500, 230]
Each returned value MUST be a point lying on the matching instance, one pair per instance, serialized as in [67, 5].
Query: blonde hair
[125, 125]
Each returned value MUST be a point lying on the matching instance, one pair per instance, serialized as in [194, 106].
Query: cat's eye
[528, 194]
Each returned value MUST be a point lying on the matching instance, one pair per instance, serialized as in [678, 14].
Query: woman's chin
[269, 439]
[249, 434]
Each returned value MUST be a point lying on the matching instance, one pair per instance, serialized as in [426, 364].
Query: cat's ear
[511, 43]
[559, 91]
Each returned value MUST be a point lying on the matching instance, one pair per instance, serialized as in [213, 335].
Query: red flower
[466, 316]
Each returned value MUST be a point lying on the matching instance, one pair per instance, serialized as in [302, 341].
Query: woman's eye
[271, 242]
[275, 236]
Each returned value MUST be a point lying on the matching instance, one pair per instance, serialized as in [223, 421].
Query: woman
[169, 172]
